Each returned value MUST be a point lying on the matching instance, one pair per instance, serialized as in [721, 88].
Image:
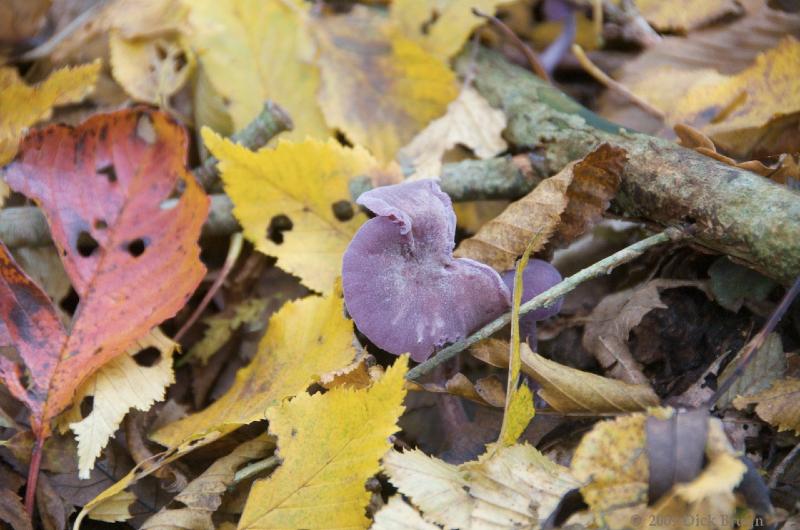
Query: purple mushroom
[403, 287]
[537, 277]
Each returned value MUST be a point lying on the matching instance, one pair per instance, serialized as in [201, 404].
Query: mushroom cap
[537, 277]
[403, 287]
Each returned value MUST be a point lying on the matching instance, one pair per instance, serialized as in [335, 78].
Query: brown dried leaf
[777, 405]
[12, 511]
[488, 391]
[560, 209]
[606, 333]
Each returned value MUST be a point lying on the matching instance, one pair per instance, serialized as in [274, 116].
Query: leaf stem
[33, 473]
[604, 266]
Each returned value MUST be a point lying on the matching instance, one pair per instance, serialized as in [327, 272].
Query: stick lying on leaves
[603, 266]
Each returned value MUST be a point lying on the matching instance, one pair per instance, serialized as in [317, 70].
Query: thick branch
[735, 211]
[604, 266]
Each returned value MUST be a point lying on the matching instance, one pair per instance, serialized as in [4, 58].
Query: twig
[781, 467]
[604, 266]
[254, 469]
[752, 347]
[234, 249]
[533, 61]
[613, 84]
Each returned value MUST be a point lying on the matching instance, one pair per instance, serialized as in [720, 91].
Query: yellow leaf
[255, 50]
[440, 26]
[378, 86]
[513, 487]
[119, 386]
[116, 509]
[203, 496]
[470, 121]
[22, 106]
[561, 208]
[777, 405]
[685, 15]
[305, 339]
[151, 70]
[306, 183]
[220, 328]
[330, 445]
[519, 400]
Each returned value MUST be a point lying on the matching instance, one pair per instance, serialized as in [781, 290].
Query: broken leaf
[564, 205]
[203, 496]
[21, 105]
[290, 357]
[378, 87]
[398, 515]
[293, 201]
[685, 15]
[133, 263]
[767, 365]
[513, 487]
[470, 121]
[330, 445]
[151, 70]
[221, 327]
[440, 26]
[777, 404]
[119, 386]
[254, 50]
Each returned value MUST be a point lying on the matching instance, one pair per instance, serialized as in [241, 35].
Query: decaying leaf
[254, 50]
[21, 19]
[132, 263]
[119, 386]
[378, 86]
[117, 509]
[397, 514]
[12, 510]
[360, 373]
[290, 357]
[470, 121]
[733, 284]
[777, 404]
[562, 208]
[221, 327]
[440, 26]
[330, 445]
[766, 366]
[203, 496]
[151, 70]
[488, 391]
[514, 487]
[606, 333]
[21, 105]
[683, 15]
[294, 203]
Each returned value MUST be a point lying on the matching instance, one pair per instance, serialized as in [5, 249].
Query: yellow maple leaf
[119, 386]
[307, 184]
[305, 339]
[22, 105]
[151, 70]
[440, 26]
[378, 86]
[513, 487]
[254, 50]
[330, 445]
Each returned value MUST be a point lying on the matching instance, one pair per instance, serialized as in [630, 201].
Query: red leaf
[132, 257]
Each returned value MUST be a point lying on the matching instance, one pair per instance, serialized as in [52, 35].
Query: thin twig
[752, 347]
[234, 249]
[533, 60]
[254, 469]
[781, 467]
[612, 84]
[604, 266]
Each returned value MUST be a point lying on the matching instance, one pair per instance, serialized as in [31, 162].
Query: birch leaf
[22, 105]
[378, 86]
[470, 121]
[330, 444]
[777, 404]
[398, 515]
[116, 388]
[254, 50]
[290, 357]
[306, 185]
[221, 327]
[514, 487]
